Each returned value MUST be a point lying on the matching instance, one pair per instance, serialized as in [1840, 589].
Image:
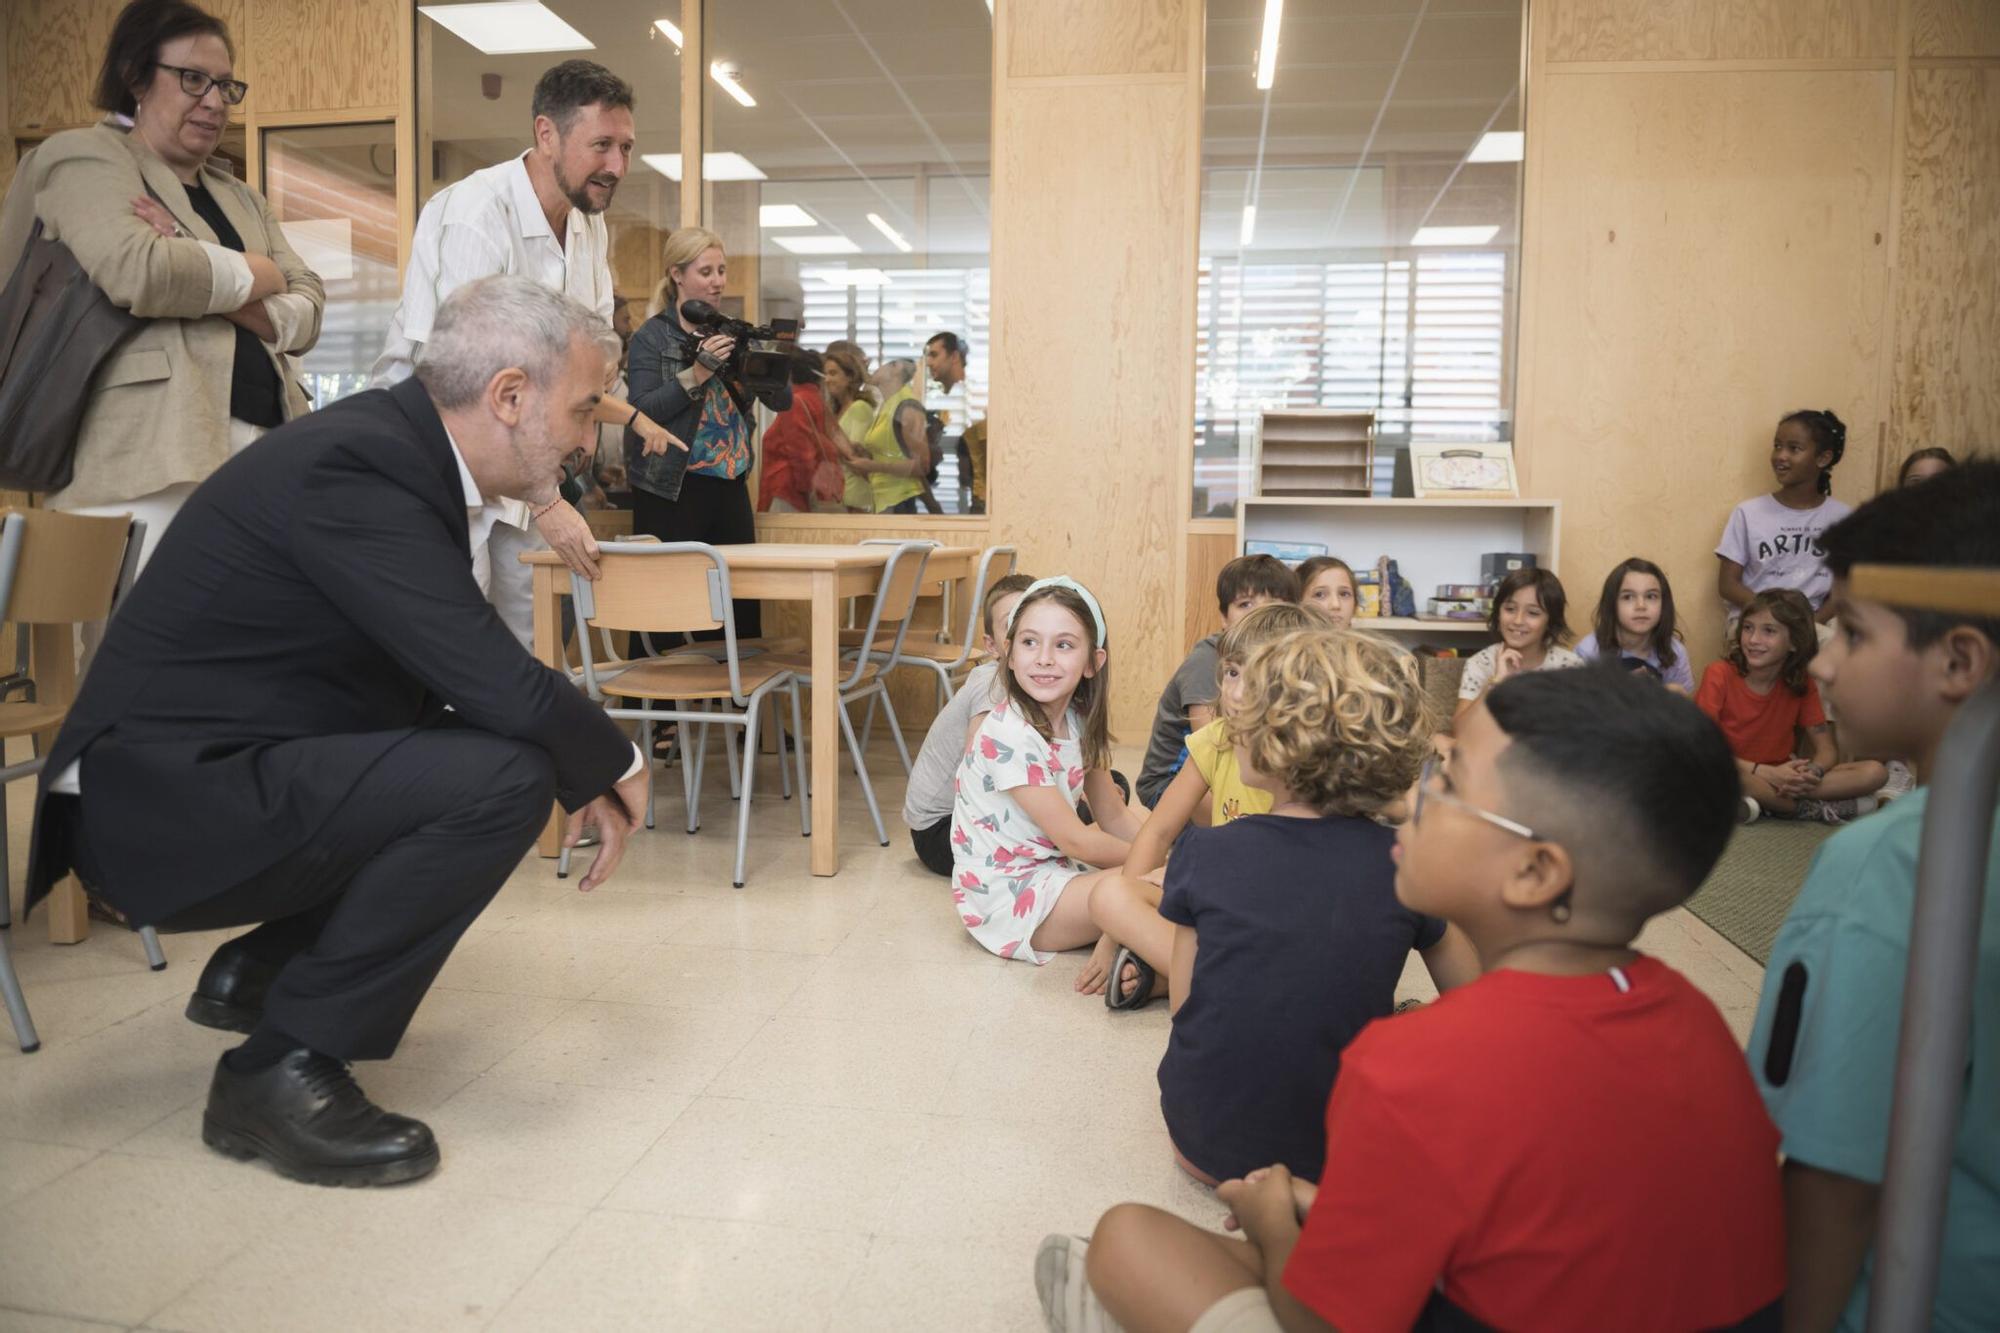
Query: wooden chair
[867, 677]
[682, 587]
[57, 572]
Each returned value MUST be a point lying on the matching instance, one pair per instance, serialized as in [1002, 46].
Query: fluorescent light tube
[509, 28]
[725, 75]
[818, 245]
[894, 237]
[1249, 226]
[714, 166]
[1267, 48]
[671, 33]
[1498, 146]
[849, 277]
[1454, 235]
[772, 216]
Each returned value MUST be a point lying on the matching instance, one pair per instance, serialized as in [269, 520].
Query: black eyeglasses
[196, 83]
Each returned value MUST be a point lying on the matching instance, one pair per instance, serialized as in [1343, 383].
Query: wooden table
[822, 575]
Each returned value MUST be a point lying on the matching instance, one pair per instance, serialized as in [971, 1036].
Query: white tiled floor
[810, 1104]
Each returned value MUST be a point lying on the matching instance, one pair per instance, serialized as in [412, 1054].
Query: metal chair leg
[861, 775]
[156, 957]
[749, 780]
[729, 739]
[691, 766]
[895, 729]
[646, 749]
[778, 730]
[799, 757]
[17, 1004]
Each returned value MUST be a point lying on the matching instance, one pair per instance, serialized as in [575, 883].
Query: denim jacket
[660, 382]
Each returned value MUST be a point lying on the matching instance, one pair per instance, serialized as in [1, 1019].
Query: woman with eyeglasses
[169, 234]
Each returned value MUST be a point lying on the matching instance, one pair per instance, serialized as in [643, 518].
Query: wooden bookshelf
[1314, 453]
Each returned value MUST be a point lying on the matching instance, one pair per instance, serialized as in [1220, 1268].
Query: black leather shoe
[230, 994]
[308, 1118]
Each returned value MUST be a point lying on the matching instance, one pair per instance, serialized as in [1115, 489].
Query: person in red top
[795, 442]
[1573, 1141]
[1767, 705]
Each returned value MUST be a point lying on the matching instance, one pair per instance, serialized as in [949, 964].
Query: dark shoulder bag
[57, 328]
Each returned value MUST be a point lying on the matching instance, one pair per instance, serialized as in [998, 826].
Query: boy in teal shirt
[1824, 1048]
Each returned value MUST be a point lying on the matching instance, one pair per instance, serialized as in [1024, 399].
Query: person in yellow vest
[895, 449]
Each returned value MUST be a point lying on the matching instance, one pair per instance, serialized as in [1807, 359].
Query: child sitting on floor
[1635, 626]
[1569, 1142]
[1326, 583]
[1530, 614]
[1763, 700]
[1209, 790]
[1824, 1047]
[1188, 702]
[927, 801]
[1022, 861]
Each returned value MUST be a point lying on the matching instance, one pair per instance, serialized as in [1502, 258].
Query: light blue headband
[1061, 581]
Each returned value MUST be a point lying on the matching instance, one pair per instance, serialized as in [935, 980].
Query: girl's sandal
[1144, 979]
[667, 744]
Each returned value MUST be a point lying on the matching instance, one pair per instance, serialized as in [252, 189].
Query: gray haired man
[307, 718]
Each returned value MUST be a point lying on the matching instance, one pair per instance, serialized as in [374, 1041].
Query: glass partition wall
[845, 150]
[1360, 234]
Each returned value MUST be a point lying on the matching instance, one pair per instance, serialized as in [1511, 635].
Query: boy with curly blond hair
[1287, 936]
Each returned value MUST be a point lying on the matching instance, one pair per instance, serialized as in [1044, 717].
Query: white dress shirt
[492, 222]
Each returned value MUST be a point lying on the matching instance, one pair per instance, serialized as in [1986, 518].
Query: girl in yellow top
[1209, 789]
[895, 455]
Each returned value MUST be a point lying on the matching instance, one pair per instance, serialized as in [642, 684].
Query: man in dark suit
[306, 716]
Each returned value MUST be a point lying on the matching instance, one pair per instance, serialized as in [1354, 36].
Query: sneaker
[1829, 812]
[1750, 811]
[1068, 1303]
[1901, 783]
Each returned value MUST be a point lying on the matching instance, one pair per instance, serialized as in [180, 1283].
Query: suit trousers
[363, 916]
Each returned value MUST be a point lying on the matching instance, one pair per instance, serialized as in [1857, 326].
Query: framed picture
[1463, 471]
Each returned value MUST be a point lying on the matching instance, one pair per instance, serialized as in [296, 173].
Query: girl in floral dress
[1023, 863]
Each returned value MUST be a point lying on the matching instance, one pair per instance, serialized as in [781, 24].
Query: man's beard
[579, 194]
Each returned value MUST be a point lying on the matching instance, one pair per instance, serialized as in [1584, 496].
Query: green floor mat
[1753, 885]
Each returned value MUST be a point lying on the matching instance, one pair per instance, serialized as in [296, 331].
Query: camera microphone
[700, 312]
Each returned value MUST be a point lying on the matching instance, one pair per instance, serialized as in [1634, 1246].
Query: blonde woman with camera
[683, 378]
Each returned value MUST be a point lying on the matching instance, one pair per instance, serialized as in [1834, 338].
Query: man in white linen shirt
[539, 215]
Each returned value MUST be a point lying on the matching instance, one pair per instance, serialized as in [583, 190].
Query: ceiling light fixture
[849, 277]
[895, 237]
[1499, 146]
[1454, 235]
[1244, 236]
[1267, 48]
[835, 244]
[772, 216]
[671, 33]
[714, 166]
[725, 75]
[508, 28]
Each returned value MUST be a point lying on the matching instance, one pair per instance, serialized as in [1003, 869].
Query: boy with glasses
[1569, 1142]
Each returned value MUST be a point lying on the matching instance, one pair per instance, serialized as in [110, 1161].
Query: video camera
[762, 361]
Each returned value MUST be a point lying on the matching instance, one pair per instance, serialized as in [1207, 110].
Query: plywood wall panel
[320, 55]
[54, 49]
[1705, 252]
[1047, 37]
[1097, 405]
[1720, 29]
[1947, 360]
[1954, 28]
[1207, 553]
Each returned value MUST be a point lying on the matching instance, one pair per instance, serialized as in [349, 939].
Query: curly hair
[1790, 609]
[1272, 621]
[1829, 436]
[1339, 716]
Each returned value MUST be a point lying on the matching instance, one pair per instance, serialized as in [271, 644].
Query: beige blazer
[159, 407]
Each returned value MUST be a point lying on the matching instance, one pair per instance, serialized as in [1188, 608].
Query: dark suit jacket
[312, 606]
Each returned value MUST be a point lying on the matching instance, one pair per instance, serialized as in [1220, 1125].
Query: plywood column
[1096, 189]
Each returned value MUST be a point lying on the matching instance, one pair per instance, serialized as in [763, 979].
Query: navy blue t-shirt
[1301, 944]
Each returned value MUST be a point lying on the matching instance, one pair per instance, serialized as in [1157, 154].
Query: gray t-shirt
[1193, 684]
[1779, 547]
[928, 797]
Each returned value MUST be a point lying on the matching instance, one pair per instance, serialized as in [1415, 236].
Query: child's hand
[1262, 1204]
[1303, 1194]
[1506, 664]
[1097, 971]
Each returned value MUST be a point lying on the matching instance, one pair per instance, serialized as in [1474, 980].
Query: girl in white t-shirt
[1023, 863]
[1773, 541]
[1635, 624]
[1529, 615]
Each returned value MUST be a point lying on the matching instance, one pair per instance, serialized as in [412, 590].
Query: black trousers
[710, 510]
[933, 846]
[362, 917]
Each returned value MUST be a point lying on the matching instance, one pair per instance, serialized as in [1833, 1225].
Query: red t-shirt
[1761, 727]
[1549, 1153]
[792, 448]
